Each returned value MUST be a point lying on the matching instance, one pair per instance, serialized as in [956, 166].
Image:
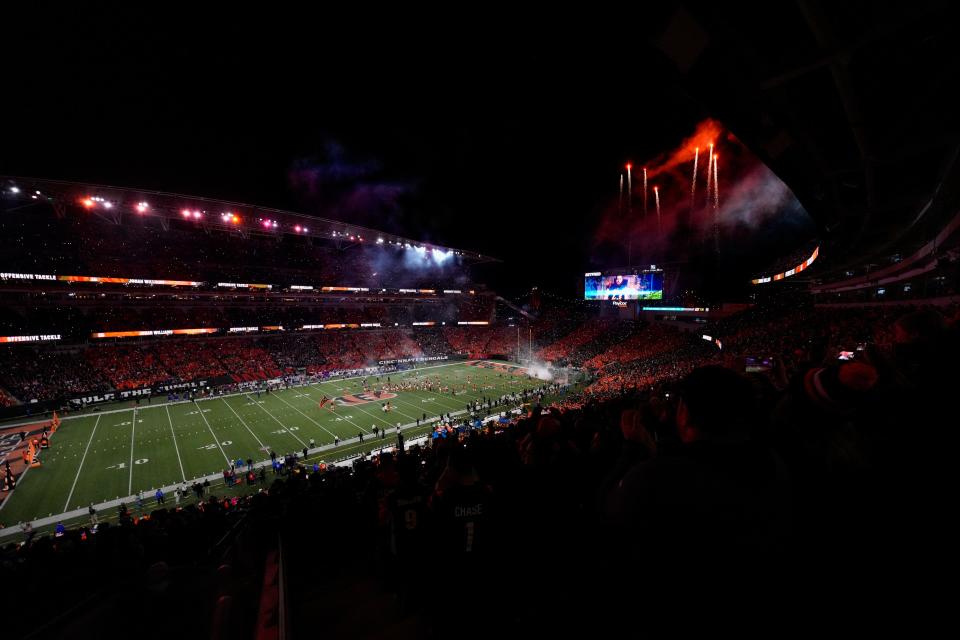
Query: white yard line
[285, 427]
[374, 415]
[263, 447]
[133, 430]
[215, 438]
[74, 486]
[420, 408]
[174, 436]
[305, 415]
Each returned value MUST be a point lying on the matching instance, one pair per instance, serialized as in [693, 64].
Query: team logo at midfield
[364, 398]
[499, 366]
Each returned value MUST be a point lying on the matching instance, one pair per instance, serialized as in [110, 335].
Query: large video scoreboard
[621, 286]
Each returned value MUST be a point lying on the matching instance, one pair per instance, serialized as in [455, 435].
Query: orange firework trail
[716, 184]
[693, 181]
[716, 202]
[656, 199]
[644, 192]
[709, 173]
[629, 189]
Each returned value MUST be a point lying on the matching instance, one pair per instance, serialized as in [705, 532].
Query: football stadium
[315, 326]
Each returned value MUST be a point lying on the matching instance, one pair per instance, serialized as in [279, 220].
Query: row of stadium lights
[15, 190]
[437, 253]
[142, 207]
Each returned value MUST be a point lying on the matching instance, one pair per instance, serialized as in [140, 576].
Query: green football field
[115, 454]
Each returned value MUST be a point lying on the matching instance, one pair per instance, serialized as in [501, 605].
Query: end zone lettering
[420, 359]
[137, 393]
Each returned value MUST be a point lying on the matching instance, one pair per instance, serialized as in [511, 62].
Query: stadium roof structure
[849, 104]
[114, 203]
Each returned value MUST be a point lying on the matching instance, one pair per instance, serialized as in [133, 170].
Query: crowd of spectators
[32, 374]
[620, 353]
[431, 341]
[483, 341]
[36, 374]
[149, 558]
[246, 359]
[6, 400]
[587, 340]
[128, 367]
[666, 494]
[191, 360]
[645, 341]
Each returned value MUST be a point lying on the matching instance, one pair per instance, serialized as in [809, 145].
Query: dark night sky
[509, 149]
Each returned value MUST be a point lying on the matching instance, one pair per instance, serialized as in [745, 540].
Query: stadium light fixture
[142, 207]
[185, 213]
[14, 190]
[297, 228]
[235, 219]
[107, 205]
[88, 203]
[197, 214]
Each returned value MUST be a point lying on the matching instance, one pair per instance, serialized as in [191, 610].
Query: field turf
[114, 454]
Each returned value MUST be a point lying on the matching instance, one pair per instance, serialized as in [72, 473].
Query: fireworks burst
[644, 192]
[716, 184]
[709, 173]
[716, 203]
[656, 199]
[629, 189]
[693, 181]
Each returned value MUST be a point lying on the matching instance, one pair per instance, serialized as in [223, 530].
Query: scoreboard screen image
[647, 285]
